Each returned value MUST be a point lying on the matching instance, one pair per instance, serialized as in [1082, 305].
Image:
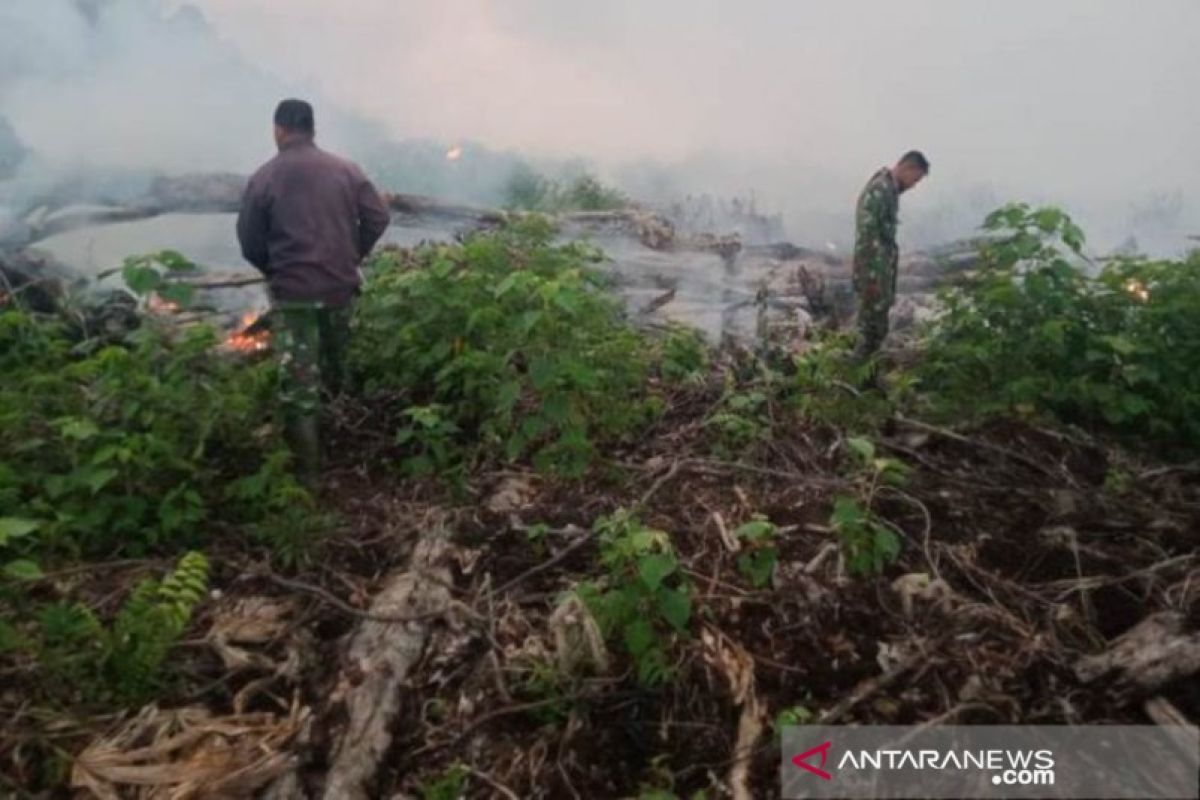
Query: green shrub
[868, 543]
[683, 356]
[741, 422]
[528, 190]
[126, 449]
[124, 661]
[757, 561]
[642, 600]
[826, 386]
[504, 346]
[1035, 332]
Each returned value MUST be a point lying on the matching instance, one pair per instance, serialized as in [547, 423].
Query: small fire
[246, 342]
[1137, 289]
[454, 153]
[156, 305]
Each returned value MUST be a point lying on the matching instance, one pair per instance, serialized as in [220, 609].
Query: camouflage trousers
[876, 290]
[310, 340]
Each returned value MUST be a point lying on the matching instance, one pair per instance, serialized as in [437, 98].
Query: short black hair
[917, 159]
[296, 116]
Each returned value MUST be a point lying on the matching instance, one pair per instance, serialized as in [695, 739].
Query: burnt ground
[1020, 555]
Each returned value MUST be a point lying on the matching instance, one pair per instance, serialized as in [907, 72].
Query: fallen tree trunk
[1150, 655]
[419, 205]
[379, 659]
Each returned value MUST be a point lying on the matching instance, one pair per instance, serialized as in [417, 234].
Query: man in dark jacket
[308, 218]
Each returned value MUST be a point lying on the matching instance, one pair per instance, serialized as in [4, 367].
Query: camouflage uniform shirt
[876, 257]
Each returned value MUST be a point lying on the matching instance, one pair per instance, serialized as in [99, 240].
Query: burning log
[253, 335]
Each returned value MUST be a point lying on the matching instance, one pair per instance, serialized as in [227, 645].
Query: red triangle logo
[801, 761]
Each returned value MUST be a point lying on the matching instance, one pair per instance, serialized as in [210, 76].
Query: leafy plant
[792, 716]
[536, 536]
[1039, 330]
[150, 275]
[869, 544]
[741, 422]
[544, 682]
[504, 346]
[683, 356]
[878, 469]
[757, 561]
[430, 434]
[150, 622]
[279, 512]
[123, 661]
[528, 190]
[450, 785]
[124, 449]
[643, 600]
[826, 387]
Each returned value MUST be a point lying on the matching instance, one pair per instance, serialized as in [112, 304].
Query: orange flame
[454, 153]
[245, 342]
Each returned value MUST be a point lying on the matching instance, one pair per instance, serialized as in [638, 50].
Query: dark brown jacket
[308, 218]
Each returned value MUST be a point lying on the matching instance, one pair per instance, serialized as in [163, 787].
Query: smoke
[120, 84]
[1089, 104]
[1081, 103]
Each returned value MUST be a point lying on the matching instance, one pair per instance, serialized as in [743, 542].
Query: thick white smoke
[1086, 103]
[1090, 103]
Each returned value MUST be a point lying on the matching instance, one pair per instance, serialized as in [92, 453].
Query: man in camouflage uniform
[308, 218]
[876, 256]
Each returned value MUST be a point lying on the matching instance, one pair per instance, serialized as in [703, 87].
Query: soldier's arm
[252, 226]
[373, 216]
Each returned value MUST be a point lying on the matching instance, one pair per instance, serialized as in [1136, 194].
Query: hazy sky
[1091, 101]
[1087, 102]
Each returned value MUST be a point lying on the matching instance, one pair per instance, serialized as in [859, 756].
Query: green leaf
[639, 636]
[140, 278]
[652, 569]
[755, 530]
[180, 293]
[508, 283]
[758, 565]
[15, 528]
[863, 448]
[96, 478]
[23, 570]
[676, 607]
[174, 261]
[847, 513]
[1121, 345]
[887, 544]
[1048, 219]
[78, 428]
